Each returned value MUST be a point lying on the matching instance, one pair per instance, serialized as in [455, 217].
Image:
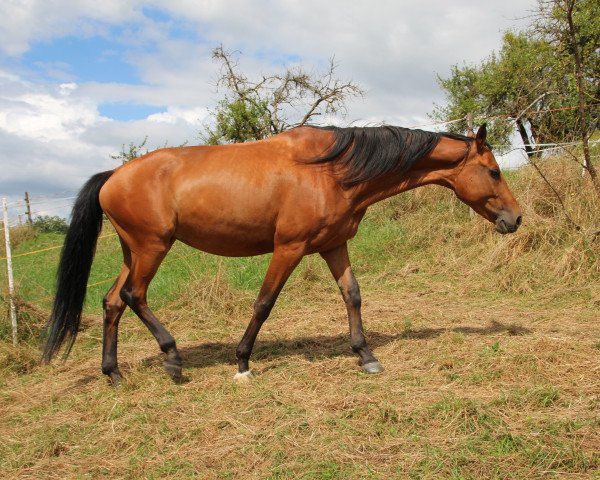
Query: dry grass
[549, 253]
[18, 235]
[470, 390]
[491, 346]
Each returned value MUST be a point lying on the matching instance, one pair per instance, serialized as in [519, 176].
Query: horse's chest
[332, 231]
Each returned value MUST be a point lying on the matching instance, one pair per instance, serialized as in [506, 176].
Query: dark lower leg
[244, 349]
[165, 341]
[351, 294]
[339, 264]
[113, 308]
[133, 293]
[112, 315]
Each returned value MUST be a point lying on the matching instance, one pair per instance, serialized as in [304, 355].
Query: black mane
[365, 153]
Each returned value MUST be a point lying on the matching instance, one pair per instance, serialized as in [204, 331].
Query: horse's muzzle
[507, 223]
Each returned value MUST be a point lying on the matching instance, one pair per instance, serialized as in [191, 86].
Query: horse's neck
[438, 167]
[374, 191]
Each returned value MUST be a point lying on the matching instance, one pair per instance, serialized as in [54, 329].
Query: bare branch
[290, 98]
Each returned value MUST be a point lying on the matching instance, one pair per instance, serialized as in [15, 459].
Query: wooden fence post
[11, 283]
[28, 209]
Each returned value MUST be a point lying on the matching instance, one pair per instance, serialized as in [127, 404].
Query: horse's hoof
[174, 371]
[242, 377]
[372, 367]
[115, 379]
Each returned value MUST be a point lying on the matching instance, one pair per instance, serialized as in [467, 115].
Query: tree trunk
[582, 107]
[524, 137]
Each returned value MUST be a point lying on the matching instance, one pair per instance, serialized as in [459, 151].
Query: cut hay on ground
[491, 347]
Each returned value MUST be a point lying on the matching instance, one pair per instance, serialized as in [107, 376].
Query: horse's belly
[227, 237]
[222, 246]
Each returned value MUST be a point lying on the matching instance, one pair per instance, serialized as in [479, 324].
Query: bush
[47, 224]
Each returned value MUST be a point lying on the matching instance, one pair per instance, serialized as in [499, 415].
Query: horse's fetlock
[242, 352]
[358, 345]
[169, 346]
[109, 367]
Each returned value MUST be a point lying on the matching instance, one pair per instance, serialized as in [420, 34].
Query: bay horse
[301, 192]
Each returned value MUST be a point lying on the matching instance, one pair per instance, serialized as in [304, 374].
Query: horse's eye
[495, 174]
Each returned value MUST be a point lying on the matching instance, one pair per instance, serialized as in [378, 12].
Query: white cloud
[52, 136]
[194, 116]
[44, 114]
[52, 139]
[25, 21]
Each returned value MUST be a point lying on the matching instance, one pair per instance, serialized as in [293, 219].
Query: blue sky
[93, 59]
[107, 54]
[80, 79]
[102, 59]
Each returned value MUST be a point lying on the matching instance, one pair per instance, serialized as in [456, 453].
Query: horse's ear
[470, 133]
[480, 137]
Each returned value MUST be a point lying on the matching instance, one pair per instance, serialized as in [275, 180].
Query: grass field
[491, 346]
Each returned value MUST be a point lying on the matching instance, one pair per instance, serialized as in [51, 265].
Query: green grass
[183, 263]
[490, 346]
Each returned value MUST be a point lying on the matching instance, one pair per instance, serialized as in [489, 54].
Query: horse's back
[222, 199]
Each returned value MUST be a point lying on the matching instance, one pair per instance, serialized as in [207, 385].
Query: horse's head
[480, 185]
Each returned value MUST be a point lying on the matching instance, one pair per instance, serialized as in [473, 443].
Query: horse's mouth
[504, 227]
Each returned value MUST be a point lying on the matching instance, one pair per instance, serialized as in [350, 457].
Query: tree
[554, 64]
[522, 77]
[255, 109]
[133, 151]
[573, 28]
[239, 121]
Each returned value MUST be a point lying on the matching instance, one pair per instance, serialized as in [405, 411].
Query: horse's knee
[125, 294]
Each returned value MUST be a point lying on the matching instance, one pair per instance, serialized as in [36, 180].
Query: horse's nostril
[519, 219]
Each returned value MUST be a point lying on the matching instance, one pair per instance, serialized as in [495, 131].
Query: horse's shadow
[321, 346]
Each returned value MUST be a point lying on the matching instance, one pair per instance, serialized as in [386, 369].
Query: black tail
[74, 267]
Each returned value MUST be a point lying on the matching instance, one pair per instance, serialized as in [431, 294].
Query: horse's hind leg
[143, 268]
[339, 264]
[113, 308]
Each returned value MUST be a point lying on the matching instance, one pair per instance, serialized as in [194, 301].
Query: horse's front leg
[339, 264]
[284, 261]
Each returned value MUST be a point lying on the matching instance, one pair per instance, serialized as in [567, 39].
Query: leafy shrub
[48, 224]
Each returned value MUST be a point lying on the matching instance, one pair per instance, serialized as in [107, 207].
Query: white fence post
[11, 282]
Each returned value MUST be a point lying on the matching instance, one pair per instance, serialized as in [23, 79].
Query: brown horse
[301, 192]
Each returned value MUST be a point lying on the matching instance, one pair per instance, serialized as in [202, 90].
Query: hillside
[491, 346]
